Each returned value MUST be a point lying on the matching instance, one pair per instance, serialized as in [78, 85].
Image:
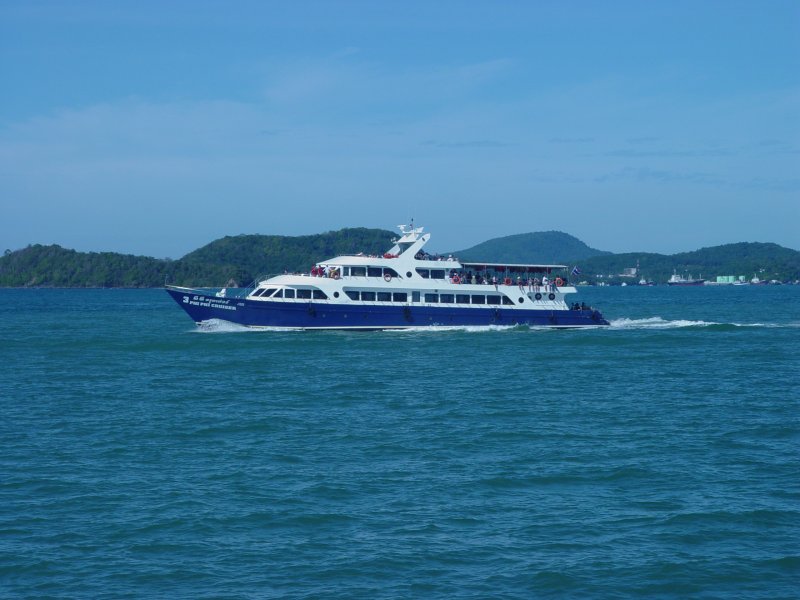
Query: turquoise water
[142, 457]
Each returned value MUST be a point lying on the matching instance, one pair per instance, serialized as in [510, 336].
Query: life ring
[559, 282]
[552, 296]
[538, 296]
[387, 277]
[507, 280]
[456, 279]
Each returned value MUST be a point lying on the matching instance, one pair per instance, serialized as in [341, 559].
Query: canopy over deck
[512, 268]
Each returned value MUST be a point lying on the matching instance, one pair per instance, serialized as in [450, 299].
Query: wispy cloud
[666, 176]
[667, 153]
[645, 139]
[348, 83]
[571, 140]
[660, 176]
[467, 144]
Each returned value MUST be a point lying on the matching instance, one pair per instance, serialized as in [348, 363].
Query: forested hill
[768, 261]
[232, 260]
[238, 260]
[545, 247]
[270, 254]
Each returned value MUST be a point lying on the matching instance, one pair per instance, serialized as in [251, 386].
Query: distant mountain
[238, 260]
[769, 261]
[546, 247]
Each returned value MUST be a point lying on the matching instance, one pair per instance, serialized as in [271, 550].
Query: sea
[142, 456]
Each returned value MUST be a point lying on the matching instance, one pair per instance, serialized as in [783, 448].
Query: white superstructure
[407, 275]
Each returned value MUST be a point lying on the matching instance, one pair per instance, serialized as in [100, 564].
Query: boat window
[507, 300]
[384, 296]
[462, 298]
[392, 272]
[352, 294]
[431, 297]
[446, 298]
[346, 271]
[369, 296]
[479, 299]
[319, 295]
[259, 291]
[268, 292]
[437, 273]
[492, 299]
[415, 296]
[358, 271]
[278, 294]
[424, 273]
[400, 297]
[306, 294]
[374, 271]
[287, 293]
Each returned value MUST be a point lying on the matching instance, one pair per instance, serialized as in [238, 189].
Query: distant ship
[679, 280]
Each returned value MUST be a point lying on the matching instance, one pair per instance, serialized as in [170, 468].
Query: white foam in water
[657, 323]
[220, 326]
[440, 328]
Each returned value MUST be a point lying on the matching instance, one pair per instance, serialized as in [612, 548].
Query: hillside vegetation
[768, 261]
[238, 260]
[231, 261]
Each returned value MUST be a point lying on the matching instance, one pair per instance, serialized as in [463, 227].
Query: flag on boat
[576, 270]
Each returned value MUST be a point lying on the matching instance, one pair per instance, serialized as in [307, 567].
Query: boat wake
[441, 328]
[659, 323]
[221, 326]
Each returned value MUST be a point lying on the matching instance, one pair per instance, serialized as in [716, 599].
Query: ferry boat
[679, 280]
[403, 288]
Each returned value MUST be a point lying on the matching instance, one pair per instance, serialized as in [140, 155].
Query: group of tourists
[325, 271]
[533, 284]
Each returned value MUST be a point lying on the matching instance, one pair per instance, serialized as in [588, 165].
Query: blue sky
[156, 127]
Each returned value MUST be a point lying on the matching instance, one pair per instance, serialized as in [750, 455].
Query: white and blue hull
[203, 307]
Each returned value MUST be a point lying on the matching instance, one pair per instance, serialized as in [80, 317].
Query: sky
[154, 128]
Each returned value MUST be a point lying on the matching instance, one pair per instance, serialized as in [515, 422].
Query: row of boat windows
[305, 294]
[368, 272]
[371, 296]
[386, 271]
[366, 296]
[431, 273]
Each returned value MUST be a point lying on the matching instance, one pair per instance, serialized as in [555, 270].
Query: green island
[236, 261]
